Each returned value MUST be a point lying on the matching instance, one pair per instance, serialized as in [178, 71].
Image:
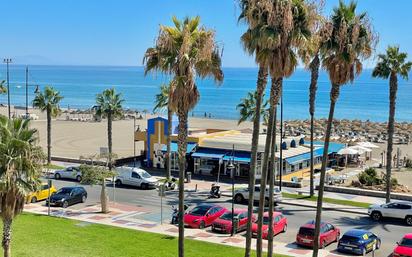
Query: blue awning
[333, 146]
[238, 157]
[303, 157]
[173, 147]
[207, 155]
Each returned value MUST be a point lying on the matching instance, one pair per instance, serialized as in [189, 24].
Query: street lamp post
[281, 140]
[231, 167]
[7, 61]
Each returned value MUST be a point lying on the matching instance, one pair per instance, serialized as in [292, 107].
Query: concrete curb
[339, 209]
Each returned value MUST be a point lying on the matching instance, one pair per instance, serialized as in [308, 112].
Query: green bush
[369, 177]
[408, 163]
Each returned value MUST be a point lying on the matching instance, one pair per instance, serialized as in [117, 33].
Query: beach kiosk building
[209, 151]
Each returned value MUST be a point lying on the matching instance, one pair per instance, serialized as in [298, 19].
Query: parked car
[71, 172]
[203, 215]
[67, 196]
[398, 210]
[359, 241]
[328, 234]
[41, 194]
[242, 195]
[279, 223]
[224, 223]
[135, 177]
[404, 247]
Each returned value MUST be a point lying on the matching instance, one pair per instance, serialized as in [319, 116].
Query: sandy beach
[75, 138]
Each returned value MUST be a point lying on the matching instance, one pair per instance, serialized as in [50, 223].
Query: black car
[67, 196]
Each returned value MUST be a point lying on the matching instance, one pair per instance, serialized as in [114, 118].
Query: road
[390, 231]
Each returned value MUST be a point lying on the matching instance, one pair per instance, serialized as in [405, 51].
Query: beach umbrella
[367, 145]
[347, 151]
[361, 149]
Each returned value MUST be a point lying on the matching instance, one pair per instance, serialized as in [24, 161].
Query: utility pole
[7, 61]
[27, 92]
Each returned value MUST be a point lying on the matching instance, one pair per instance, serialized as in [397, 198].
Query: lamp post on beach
[7, 61]
[281, 140]
[36, 91]
[231, 167]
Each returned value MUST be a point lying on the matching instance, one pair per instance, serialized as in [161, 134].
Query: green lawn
[36, 235]
[327, 200]
[53, 166]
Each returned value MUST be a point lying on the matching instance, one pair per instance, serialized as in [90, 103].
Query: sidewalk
[133, 217]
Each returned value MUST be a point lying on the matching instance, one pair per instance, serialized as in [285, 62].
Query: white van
[135, 177]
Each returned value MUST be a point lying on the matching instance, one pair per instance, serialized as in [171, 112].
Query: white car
[398, 210]
[135, 177]
[70, 173]
[242, 195]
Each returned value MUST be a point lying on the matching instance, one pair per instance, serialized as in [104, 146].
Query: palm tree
[109, 105]
[162, 102]
[48, 101]
[3, 88]
[389, 66]
[350, 40]
[20, 168]
[290, 30]
[184, 50]
[253, 44]
[309, 53]
[247, 107]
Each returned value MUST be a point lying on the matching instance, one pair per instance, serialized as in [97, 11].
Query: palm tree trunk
[393, 88]
[260, 88]
[314, 68]
[263, 178]
[182, 147]
[274, 99]
[7, 237]
[109, 139]
[272, 173]
[48, 136]
[169, 139]
[334, 94]
[104, 198]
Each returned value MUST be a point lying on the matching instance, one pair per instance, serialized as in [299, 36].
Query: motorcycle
[214, 192]
[175, 214]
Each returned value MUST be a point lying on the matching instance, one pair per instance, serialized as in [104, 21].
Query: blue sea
[365, 99]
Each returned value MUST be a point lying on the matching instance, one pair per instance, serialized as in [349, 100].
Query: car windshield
[306, 231]
[407, 242]
[350, 238]
[64, 191]
[227, 216]
[199, 210]
[144, 174]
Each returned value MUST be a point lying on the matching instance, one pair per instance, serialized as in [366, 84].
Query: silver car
[242, 195]
[69, 172]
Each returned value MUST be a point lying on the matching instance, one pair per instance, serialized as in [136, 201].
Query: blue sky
[109, 32]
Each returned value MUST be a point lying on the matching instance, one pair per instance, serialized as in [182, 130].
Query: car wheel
[202, 225]
[33, 199]
[239, 198]
[378, 244]
[376, 216]
[409, 220]
[78, 178]
[84, 199]
[144, 186]
[65, 204]
[57, 176]
[118, 183]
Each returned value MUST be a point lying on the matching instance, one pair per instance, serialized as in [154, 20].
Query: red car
[203, 215]
[224, 223]
[404, 248]
[280, 224]
[328, 234]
